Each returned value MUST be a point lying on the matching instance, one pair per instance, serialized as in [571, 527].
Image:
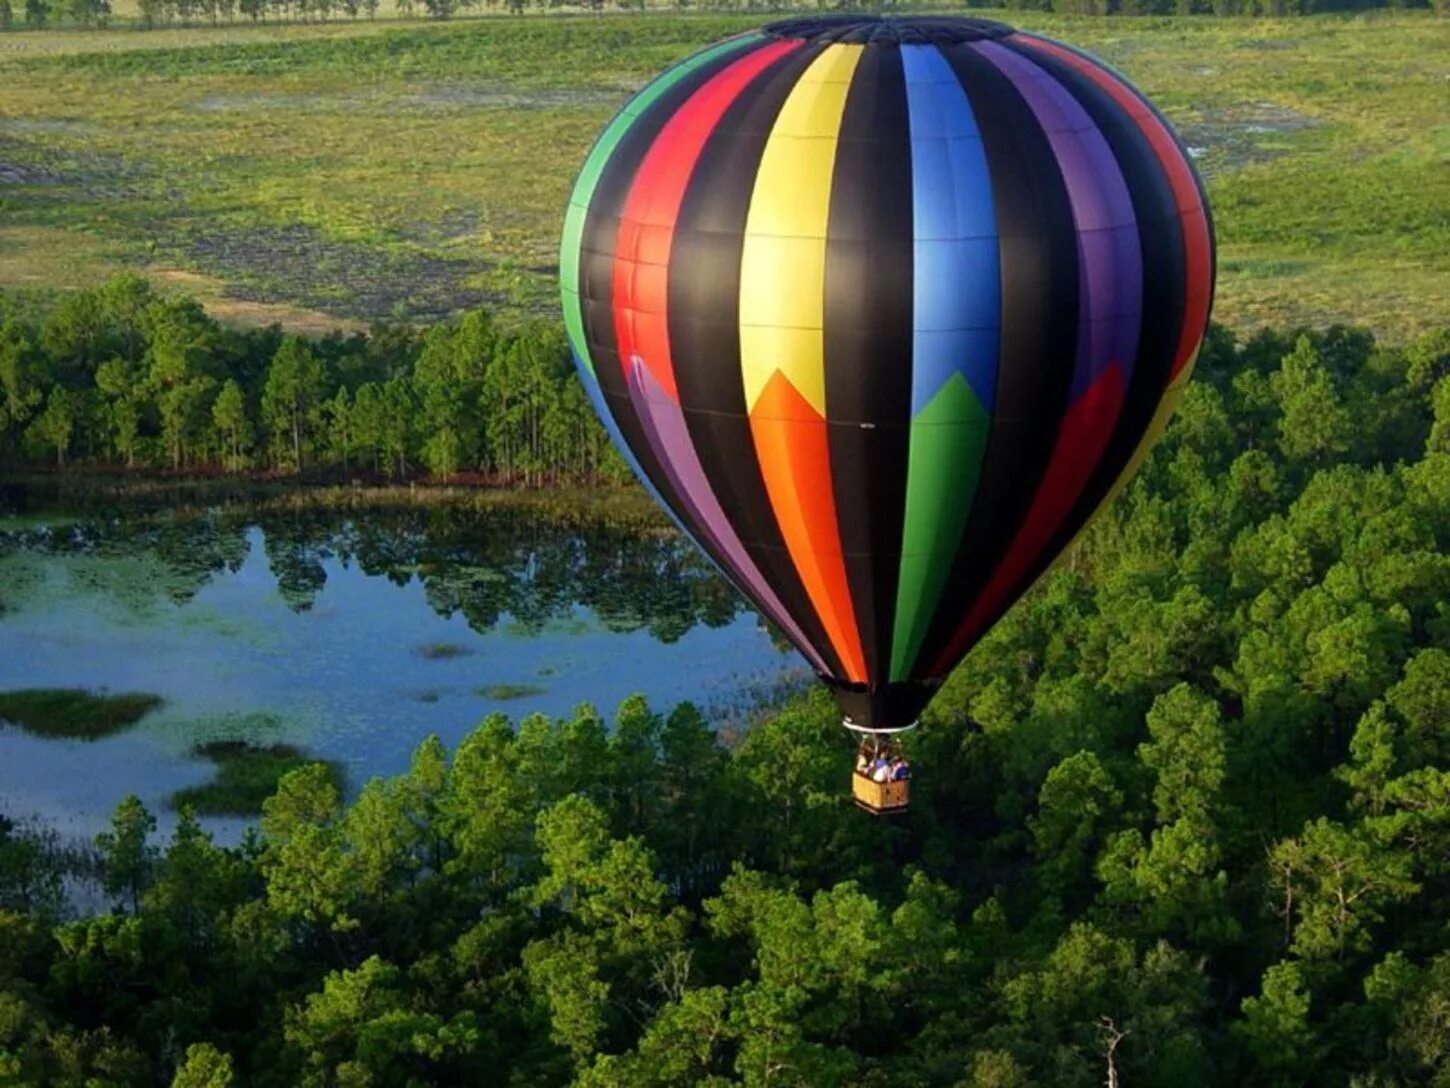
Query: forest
[1183, 819]
[127, 377]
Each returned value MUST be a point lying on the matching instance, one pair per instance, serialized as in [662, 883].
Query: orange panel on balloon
[795, 461]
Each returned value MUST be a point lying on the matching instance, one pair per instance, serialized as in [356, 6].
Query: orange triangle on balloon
[792, 447]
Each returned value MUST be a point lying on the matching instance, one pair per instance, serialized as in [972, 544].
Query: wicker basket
[881, 798]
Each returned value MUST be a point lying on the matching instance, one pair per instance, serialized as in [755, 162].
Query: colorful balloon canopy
[884, 310]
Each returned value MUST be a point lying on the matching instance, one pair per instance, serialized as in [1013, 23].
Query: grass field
[318, 174]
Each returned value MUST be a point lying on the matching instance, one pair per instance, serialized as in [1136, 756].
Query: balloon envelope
[883, 311]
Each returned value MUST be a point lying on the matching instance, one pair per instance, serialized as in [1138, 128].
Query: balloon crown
[889, 29]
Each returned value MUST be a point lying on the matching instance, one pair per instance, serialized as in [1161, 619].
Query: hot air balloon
[883, 311]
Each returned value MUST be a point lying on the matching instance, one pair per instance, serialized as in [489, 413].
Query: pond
[349, 633]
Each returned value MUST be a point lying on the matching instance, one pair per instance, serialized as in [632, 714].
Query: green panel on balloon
[948, 437]
[594, 166]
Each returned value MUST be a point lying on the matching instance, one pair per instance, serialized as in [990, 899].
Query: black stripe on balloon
[596, 271]
[1161, 245]
[1039, 331]
[704, 324]
[868, 342]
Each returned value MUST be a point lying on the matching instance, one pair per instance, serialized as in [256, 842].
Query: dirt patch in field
[235, 311]
[296, 266]
[31, 158]
[1233, 137]
[16, 174]
[260, 315]
[45, 126]
[1274, 44]
[484, 96]
[441, 230]
[428, 97]
[273, 101]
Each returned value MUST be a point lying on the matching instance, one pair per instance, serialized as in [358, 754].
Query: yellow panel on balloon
[783, 264]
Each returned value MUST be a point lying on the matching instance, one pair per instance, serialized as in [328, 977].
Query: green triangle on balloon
[948, 437]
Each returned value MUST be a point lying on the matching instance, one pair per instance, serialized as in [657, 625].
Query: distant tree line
[37, 14]
[124, 376]
[1181, 821]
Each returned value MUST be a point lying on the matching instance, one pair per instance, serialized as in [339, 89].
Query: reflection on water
[350, 634]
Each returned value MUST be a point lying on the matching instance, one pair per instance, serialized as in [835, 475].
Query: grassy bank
[246, 775]
[312, 175]
[74, 714]
[137, 493]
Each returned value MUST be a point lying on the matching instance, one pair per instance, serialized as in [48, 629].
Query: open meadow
[350, 172]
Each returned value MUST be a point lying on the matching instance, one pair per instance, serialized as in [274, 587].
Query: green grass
[246, 775]
[309, 174]
[72, 713]
[507, 692]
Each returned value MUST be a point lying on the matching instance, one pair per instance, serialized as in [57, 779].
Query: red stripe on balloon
[641, 320]
[647, 225]
[1198, 249]
[1081, 440]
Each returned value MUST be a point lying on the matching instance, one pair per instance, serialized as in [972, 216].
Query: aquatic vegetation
[508, 692]
[442, 651]
[74, 713]
[247, 774]
[260, 727]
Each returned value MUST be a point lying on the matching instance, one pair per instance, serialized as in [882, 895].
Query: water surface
[351, 634]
